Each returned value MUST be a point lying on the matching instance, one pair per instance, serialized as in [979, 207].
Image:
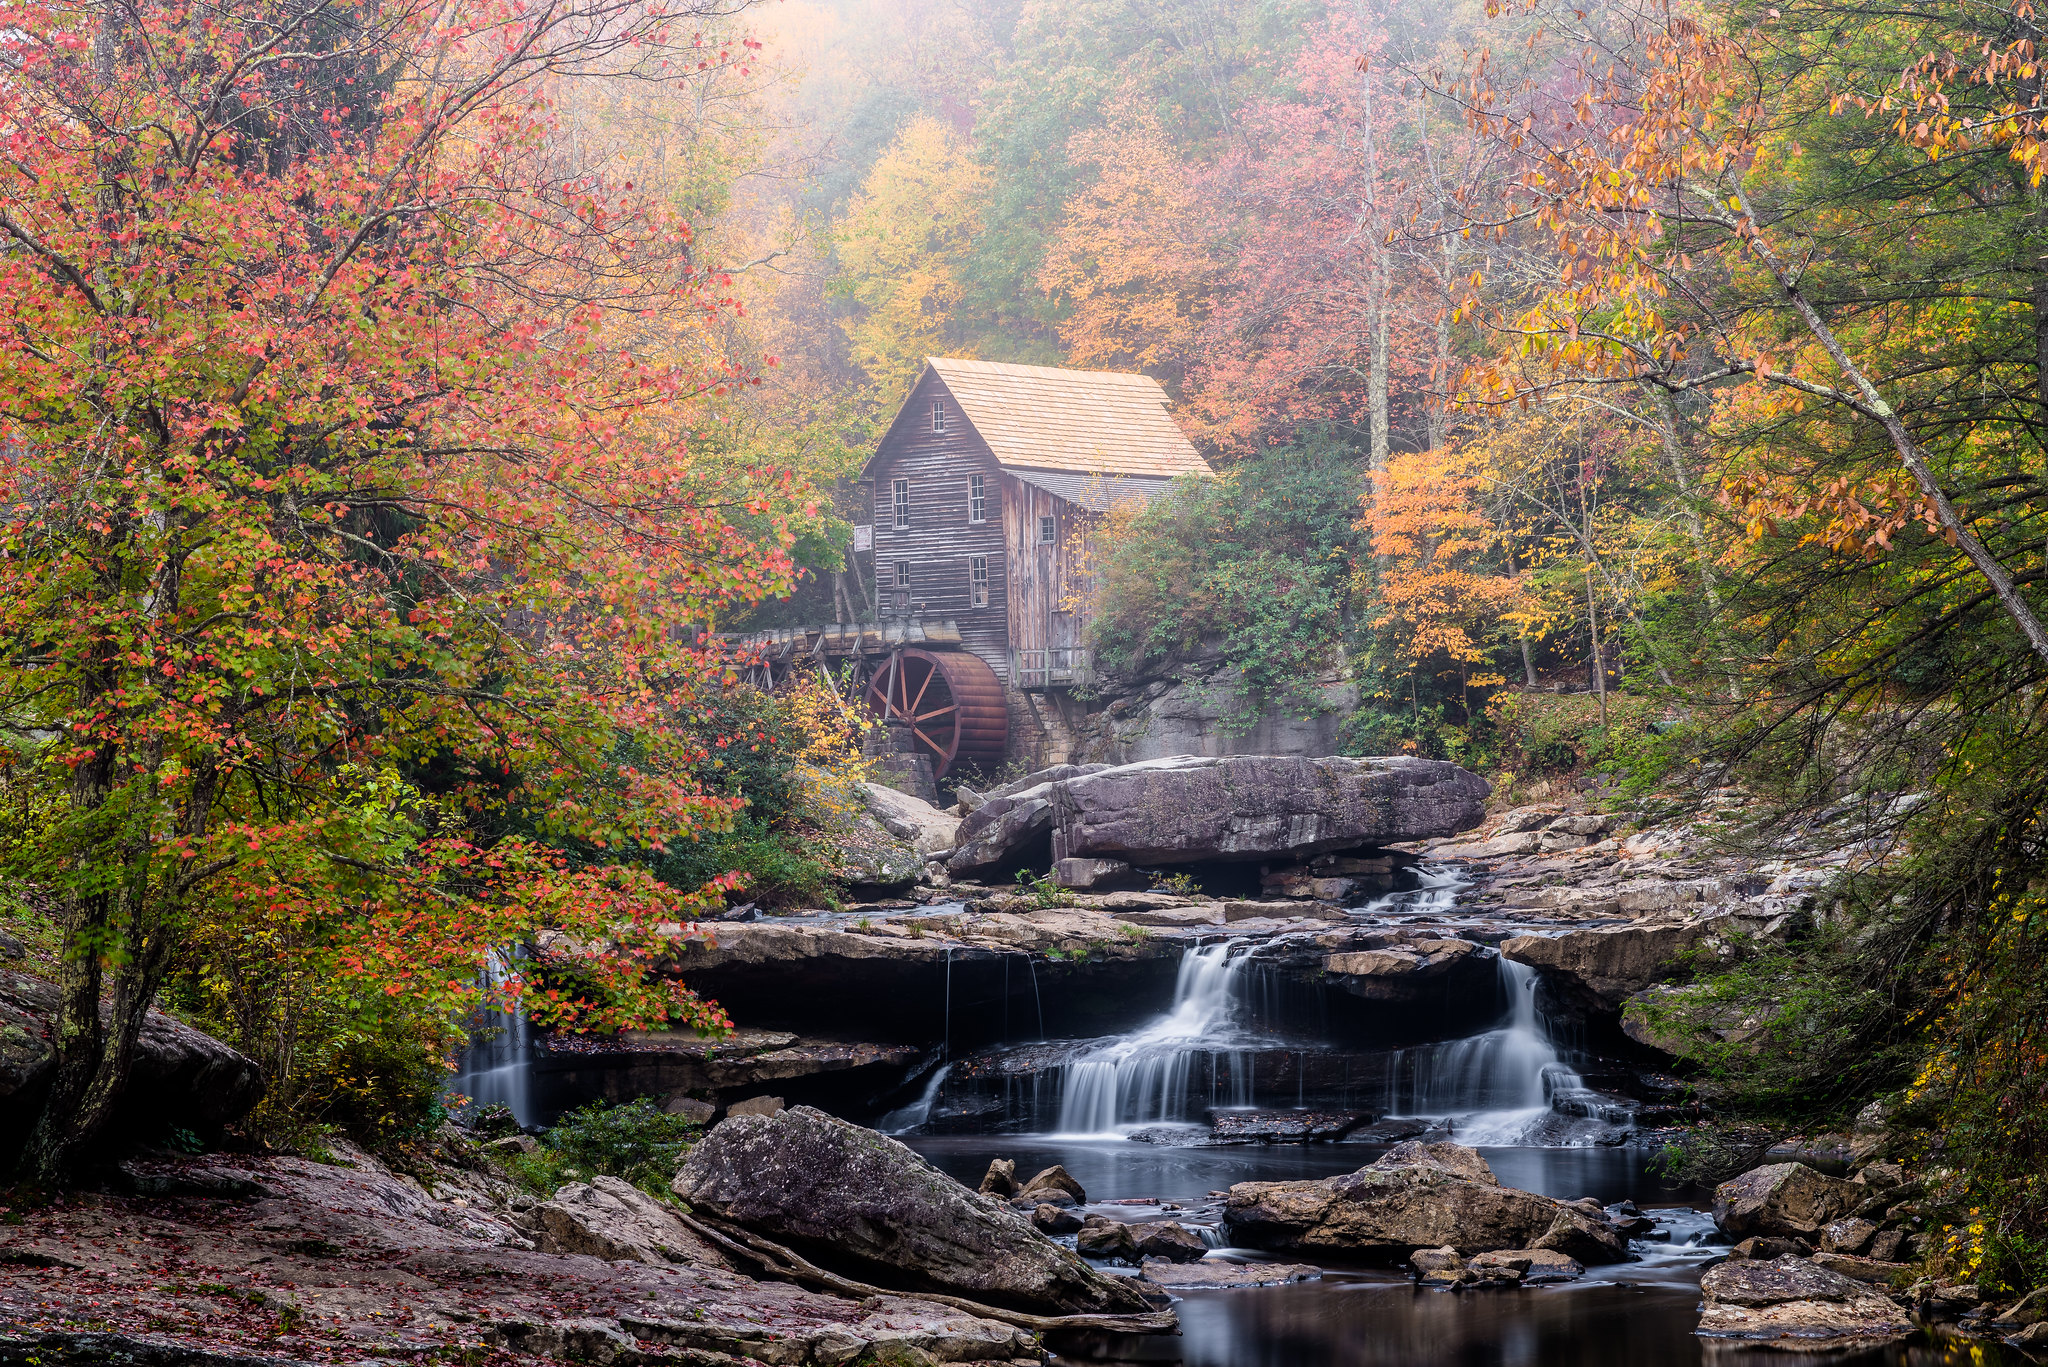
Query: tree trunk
[1528, 665]
[1911, 456]
[1377, 306]
[1593, 635]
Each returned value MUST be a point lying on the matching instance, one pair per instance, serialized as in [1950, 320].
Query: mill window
[938, 416]
[977, 578]
[903, 585]
[1048, 530]
[900, 491]
[977, 498]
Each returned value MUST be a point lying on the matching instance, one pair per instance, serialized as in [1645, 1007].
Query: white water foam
[1490, 1087]
[1142, 1079]
[904, 1119]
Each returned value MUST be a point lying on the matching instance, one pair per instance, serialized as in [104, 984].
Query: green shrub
[1258, 561]
[635, 1140]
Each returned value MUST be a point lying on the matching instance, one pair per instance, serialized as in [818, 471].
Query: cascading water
[496, 1069]
[1491, 1086]
[1143, 1078]
[904, 1119]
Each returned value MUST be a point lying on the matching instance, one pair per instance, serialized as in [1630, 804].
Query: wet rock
[854, 1199]
[1604, 965]
[756, 1105]
[182, 1078]
[1505, 1266]
[1283, 1127]
[1217, 1273]
[1102, 1237]
[1053, 1185]
[1416, 1196]
[1549, 1265]
[1788, 1199]
[2029, 1309]
[1791, 1303]
[1000, 1181]
[614, 1220]
[928, 830]
[1872, 1133]
[1583, 1237]
[1439, 1266]
[511, 1144]
[1168, 1239]
[1052, 1219]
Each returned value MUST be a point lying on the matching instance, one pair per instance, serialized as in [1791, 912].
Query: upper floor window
[900, 495]
[1048, 530]
[977, 580]
[938, 415]
[977, 498]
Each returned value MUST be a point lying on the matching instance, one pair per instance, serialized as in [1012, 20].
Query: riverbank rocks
[182, 1078]
[858, 1201]
[1416, 1196]
[1192, 809]
[928, 830]
[1784, 1199]
[1793, 1304]
[1052, 1186]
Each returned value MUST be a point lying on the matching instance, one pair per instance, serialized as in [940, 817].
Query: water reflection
[1640, 1314]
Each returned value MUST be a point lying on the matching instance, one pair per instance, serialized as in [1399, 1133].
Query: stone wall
[1203, 711]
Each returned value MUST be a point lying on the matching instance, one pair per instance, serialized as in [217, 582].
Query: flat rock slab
[376, 1268]
[1216, 1274]
[1794, 1304]
[1190, 809]
[1283, 1127]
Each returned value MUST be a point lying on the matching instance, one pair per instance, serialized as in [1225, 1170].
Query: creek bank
[348, 1260]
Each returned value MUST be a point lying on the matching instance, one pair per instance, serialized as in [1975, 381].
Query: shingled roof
[1087, 422]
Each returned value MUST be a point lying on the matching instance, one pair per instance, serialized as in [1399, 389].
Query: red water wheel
[950, 701]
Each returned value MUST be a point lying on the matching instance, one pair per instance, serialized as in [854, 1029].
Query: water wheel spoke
[936, 712]
[929, 674]
[938, 750]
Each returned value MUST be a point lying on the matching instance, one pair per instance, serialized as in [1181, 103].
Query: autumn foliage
[322, 462]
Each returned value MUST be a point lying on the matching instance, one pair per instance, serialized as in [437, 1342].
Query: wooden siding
[1039, 573]
[940, 542]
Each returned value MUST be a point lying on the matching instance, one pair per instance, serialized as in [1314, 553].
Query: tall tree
[321, 455]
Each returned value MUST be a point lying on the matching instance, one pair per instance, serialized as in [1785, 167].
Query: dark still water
[1640, 1314]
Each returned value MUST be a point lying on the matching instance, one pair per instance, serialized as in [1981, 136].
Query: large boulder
[182, 1078]
[1413, 967]
[1786, 1199]
[1190, 809]
[864, 1204]
[1416, 1196]
[1004, 830]
[929, 830]
[1791, 1303]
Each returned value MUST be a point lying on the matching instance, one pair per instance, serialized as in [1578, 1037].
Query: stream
[1121, 1115]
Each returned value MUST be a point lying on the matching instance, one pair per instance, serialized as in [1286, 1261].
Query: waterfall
[1435, 893]
[1143, 1078]
[904, 1119]
[1492, 1086]
[496, 1069]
